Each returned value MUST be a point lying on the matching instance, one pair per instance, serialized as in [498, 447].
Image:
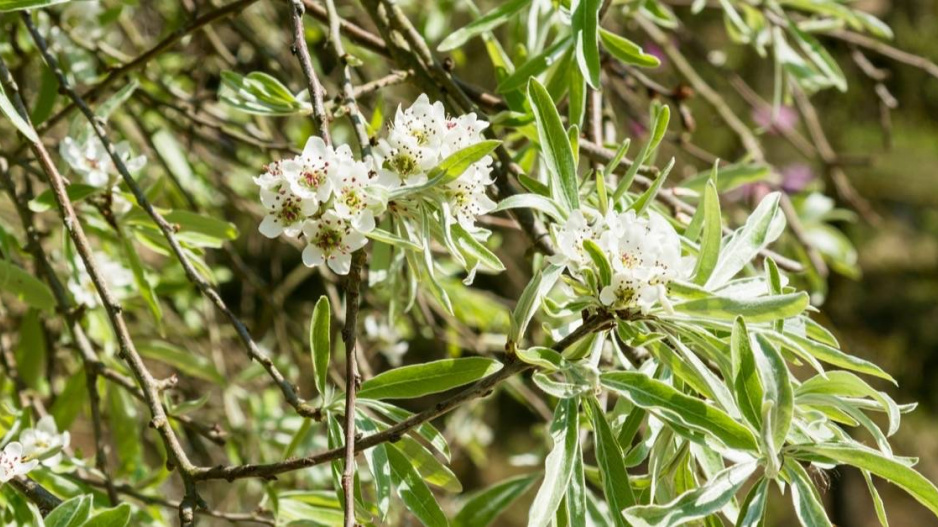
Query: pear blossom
[92, 162]
[645, 254]
[11, 462]
[117, 276]
[310, 174]
[353, 199]
[44, 438]
[286, 211]
[467, 194]
[570, 238]
[332, 240]
[414, 144]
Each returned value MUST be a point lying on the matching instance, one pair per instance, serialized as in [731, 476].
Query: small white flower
[570, 238]
[352, 200]
[332, 240]
[415, 144]
[310, 174]
[461, 132]
[117, 276]
[11, 462]
[44, 438]
[645, 254]
[467, 194]
[286, 211]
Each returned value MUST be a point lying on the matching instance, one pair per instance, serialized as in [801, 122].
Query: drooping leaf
[320, 342]
[484, 507]
[616, 484]
[564, 431]
[585, 23]
[804, 495]
[679, 409]
[25, 287]
[483, 24]
[763, 226]
[627, 51]
[71, 513]
[413, 491]
[760, 309]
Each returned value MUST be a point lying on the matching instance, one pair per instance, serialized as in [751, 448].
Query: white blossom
[92, 162]
[45, 438]
[11, 462]
[286, 211]
[310, 174]
[353, 201]
[414, 144]
[570, 237]
[645, 254]
[332, 240]
[467, 194]
[114, 273]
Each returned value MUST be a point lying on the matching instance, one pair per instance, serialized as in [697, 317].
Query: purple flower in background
[795, 177]
[636, 128]
[785, 120]
[655, 50]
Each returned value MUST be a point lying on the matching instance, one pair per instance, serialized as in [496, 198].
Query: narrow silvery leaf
[558, 467]
[846, 384]
[627, 51]
[483, 24]
[759, 309]
[753, 510]
[16, 5]
[804, 495]
[875, 462]
[484, 507]
[777, 389]
[660, 117]
[378, 464]
[458, 162]
[408, 382]
[7, 108]
[320, 346]
[413, 491]
[877, 500]
[585, 24]
[576, 493]
[427, 431]
[534, 66]
[533, 201]
[531, 299]
[828, 354]
[609, 456]
[746, 384]
[763, 227]
[679, 409]
[695, 504]
[72, 512]
[644, 200]
[555, 147]
[712, 232]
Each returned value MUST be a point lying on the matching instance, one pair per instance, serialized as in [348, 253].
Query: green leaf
[201, 230]
[534, 66]
[830, 354]
[6, 106]
[616, 484]
[408, 382]
[31, 351]
[747, 385]
[458, 162]
[846, 384]
[533, 201]
[575, 499]
[428, 466]
[117, 517]
[763, 227]
[542, 358]
[555, 147]
[712, 231]
[259, 93]
[531, 299]
[378, 464]
[627, 51]
[483, 507]
[776, 383]
[644, 200]
[25, 287]
[804, 495]
[140, 278]
[483, 24]
[76, 192]
[695, 504]
[868, 459]
[384, 236]
[877, 500]
[320, 344]
[759, 309]
[660, 117]
[474, 251]
[413, 491]
[752, 513]
[585, 23]
[71, 513]
[187, 362]
[425, 430]
[731, 177]
[598, 256]
[564, 430]
[680, 409]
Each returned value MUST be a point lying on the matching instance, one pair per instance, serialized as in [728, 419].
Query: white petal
[270, 226]
[312, 256]
[341, 263]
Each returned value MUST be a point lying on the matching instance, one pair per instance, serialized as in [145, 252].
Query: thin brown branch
[313, 86]
[36, 493]
[352, 380]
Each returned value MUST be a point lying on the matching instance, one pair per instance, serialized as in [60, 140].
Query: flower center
[312, 178]
[402, 163]
[328, 240]
[290, 211]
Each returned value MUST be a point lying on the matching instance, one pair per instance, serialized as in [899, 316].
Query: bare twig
[352, 380]
[37, 494]
[313, 86]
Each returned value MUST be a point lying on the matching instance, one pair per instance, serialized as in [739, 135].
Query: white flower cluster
[332, 199]
[42, 444]
[644, 253]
